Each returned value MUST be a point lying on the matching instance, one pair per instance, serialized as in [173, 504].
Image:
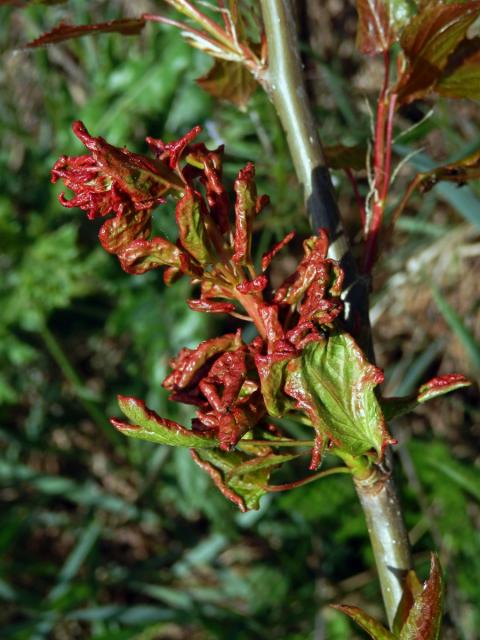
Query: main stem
[284, 83]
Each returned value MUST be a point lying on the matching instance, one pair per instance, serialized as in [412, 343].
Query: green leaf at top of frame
[145, 424]
[124, 26]
[229, 80]
[334, 384]
[374, 629]
[462, 75]
[439, 386]
[379, 23]
[430, 41]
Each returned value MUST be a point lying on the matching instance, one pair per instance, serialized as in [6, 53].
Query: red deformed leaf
[253, 286]
[111, 178]
[186, 365]
[245, 212]
[117, 233]
[211, 306]
[440, 385]
[125, 26]
[269, 255]
[425, 618]
[171, 152]
[143, 255]
[313, 266]
[229, 80]
[429, 40]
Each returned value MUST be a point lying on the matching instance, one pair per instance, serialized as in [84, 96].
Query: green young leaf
[396, 407]
[272, 370]
[425, 617]
[379, 23]
[229, 80]
[462, 74]
[246, 487]
[374, 629]
[334, 383]
[147, 425]
[190, 215]
[125, 26]
[429, 40]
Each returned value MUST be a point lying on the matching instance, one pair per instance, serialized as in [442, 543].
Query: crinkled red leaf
[269, 255]
[171, 152]
[143, 255]
[112, 178]
[312, 267]
[211, 306]
[187, 364]
[125, 26]
[245, 212]
[117, 233]
[253, 286]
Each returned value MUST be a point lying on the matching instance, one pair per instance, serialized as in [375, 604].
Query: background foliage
[107, 538]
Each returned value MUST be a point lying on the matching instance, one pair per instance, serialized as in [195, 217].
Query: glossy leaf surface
[334, 384]
[145, 424]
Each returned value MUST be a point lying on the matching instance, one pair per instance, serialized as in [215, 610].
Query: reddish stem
[382, 165]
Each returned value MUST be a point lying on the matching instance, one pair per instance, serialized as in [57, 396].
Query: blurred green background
[107, 538]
